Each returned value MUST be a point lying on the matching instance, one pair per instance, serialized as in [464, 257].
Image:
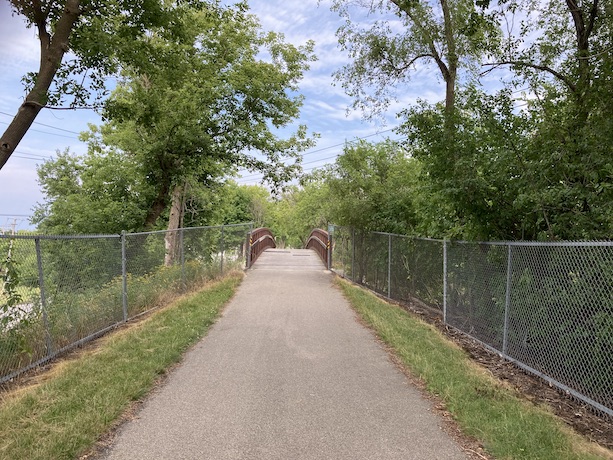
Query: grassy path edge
[80, 399]
[483, 407]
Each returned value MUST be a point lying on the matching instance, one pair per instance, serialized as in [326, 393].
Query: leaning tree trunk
[175, 221]
[52, 50]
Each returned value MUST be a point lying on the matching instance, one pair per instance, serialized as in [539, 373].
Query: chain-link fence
[546, 306]
[399, 267]
[58, 292]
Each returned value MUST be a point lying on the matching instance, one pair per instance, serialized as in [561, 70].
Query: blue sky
[324, 110]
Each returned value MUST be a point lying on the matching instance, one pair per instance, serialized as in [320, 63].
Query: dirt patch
[581, 417]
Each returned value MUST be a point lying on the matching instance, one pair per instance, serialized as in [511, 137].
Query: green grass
[508, 427]
[82, 398]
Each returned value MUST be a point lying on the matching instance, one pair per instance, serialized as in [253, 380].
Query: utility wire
[43, 124]
[323, 149]
[45, 132]
[255, 177]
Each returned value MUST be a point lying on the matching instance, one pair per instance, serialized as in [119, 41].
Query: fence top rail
[595, 243]
[58, 237]
[4, 236]
[208, 227]
[436, 240]
[539, 243]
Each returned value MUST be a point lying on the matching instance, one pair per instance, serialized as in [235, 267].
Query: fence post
[124, 276]
[353, 254]
[389, 266]
[330, 232]
[182, 252]
[444, 281]
[43, 297]
[249, 243]
[507, 303]
[222, 248]
[329, 252]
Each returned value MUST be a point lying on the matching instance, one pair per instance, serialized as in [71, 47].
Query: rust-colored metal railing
[320, 241]
[258, 241]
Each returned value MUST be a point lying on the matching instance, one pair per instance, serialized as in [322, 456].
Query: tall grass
[64, 414]
[78, 314]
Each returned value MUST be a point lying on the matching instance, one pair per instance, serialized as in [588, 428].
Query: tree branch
[592, 21]
[410, 63]
[563, 78]
[52, 50]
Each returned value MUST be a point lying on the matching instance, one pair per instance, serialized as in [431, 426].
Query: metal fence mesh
[548, 307]
[560, 315]
[417, 271]
[476, 290]
[57, 292]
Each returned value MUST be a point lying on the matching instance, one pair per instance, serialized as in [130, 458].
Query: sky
[324, 110]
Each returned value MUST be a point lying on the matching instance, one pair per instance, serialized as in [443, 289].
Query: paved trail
[286, 373]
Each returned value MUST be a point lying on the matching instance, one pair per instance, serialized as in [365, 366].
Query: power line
[255, 177]
[323, 149]
[343, 143]
[47, 126]
[30, 156]
[45, 132]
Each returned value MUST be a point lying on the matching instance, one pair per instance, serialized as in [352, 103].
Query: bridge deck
[286, 373]
[289, 260]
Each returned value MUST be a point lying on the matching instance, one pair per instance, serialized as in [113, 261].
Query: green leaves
[10, 283]
[203, 92]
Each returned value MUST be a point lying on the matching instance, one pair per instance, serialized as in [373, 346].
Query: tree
[215, 97]
[476, 195]
[449, 33]
[567, 68]
[300, 209]
[97, 37]
[496, 169]
[243, 203]
[97, 193]
[360, 183]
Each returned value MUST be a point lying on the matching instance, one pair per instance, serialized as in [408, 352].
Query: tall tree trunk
[452, 59]
[52, 50]
[175, 221]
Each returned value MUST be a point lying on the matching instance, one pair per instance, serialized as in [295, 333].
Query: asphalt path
[286, 373]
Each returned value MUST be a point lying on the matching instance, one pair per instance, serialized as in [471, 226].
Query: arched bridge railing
[259, 240]
[319, 240]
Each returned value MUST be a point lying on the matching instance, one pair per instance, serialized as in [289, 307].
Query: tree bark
[172, 237]
[448, 69]
[452, 59]
[52, 50]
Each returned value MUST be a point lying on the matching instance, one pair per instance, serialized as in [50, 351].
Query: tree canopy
[530, 161]
[82, 42]
[212, 101]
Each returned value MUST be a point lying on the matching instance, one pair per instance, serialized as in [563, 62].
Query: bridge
[262, 239]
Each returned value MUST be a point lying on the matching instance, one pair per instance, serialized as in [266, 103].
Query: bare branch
[563, 78]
